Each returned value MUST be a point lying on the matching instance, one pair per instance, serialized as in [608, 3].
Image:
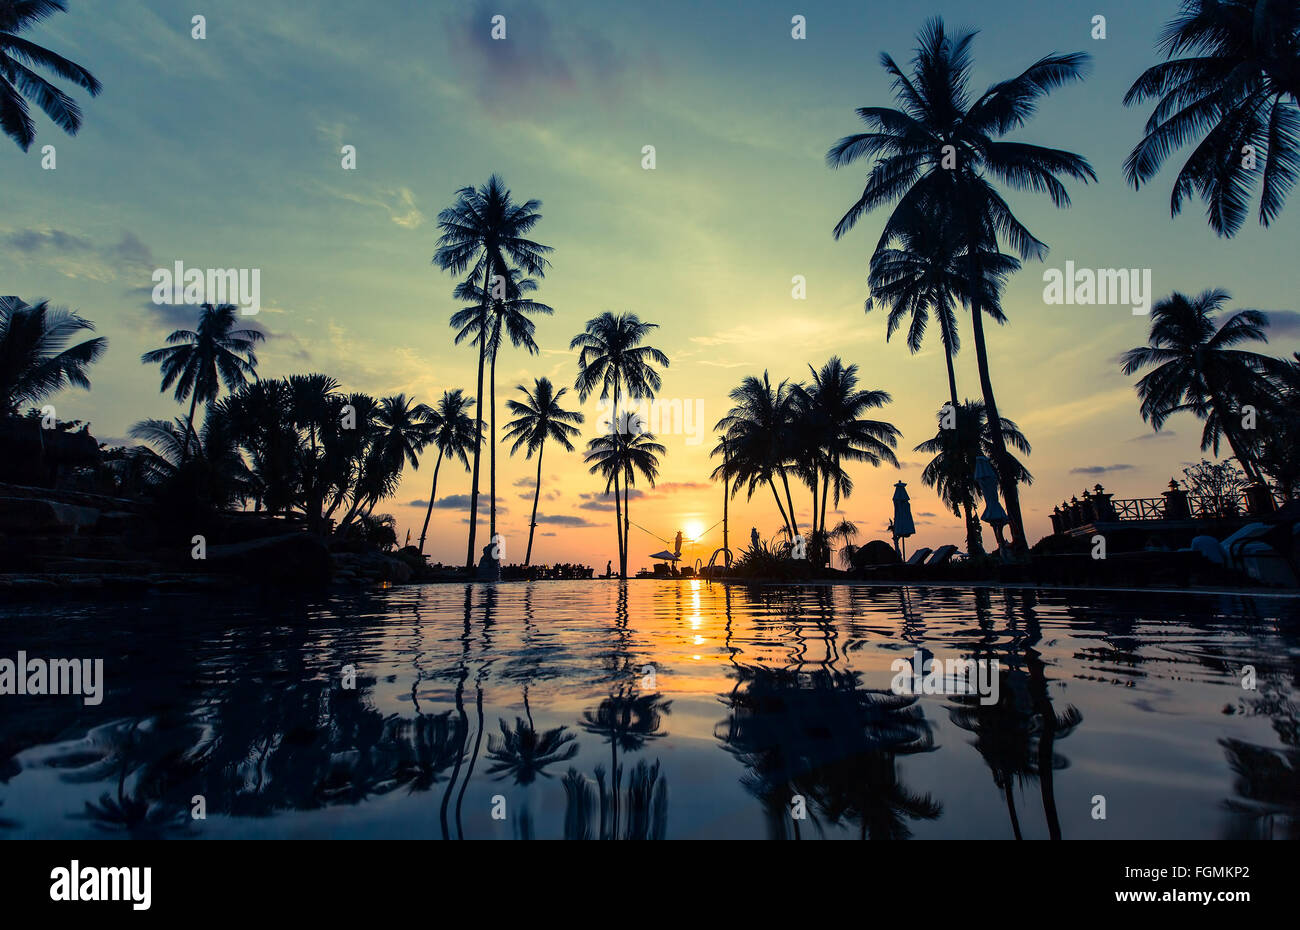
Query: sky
[225, 152]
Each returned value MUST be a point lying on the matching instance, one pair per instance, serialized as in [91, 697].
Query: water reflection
[544, 710]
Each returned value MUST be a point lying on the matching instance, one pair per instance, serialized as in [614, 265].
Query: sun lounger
[919, 556]
[941, 556]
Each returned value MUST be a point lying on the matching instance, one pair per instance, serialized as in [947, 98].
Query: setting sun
[693, 530]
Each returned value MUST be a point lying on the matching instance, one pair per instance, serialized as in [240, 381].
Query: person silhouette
[609, 567]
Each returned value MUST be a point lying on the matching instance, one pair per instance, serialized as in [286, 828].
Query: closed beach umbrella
[987, 479]
[902, 525]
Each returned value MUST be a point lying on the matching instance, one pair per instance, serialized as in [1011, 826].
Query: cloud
[1283, 322]
[602, 501]
[535, 64]
[77, 256]
[561, 519]
[1099, 469]
[461, 501]
[1147, 437]
[31, 241]
[399, 203]
[417, 503]
[673, 487]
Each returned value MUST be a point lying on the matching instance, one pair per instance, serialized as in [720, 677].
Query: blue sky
[225, 153]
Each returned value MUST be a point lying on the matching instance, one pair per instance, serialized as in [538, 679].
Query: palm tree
[399, 431]
[923, 274]
[480, 232]
[537, 418]
[1239, 88]
[525, 753]
[831, 409]
[621, 455]
[1197, 367]
[491, 318]
[756, 438]
[952, 470]
[36, 359]
[613, 359]
[214, 476]
[17, 80]
[935, 156]
[199, 362]
[452, 431]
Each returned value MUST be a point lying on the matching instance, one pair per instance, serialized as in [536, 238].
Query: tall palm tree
[17, 80]
[1196, 366]
[539, 417]
[1238, 88]
[613, 360]
[832, 407]
[621, 455]
[453, 432]
[481, 232]
[36, 359]
[490, 319]
[937, 156]
[399, 429]
[756, 438]
[952, 470]
[200, 361]
[923, 273]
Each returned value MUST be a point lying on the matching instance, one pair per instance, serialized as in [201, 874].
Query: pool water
[600, 710]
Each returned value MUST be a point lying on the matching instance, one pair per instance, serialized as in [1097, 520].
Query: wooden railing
[1175, 504]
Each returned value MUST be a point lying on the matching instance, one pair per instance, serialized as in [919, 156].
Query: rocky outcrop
[292, 558]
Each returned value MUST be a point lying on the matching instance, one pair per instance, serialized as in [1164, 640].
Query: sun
[693, 530]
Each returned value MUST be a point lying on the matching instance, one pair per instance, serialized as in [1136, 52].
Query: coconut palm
[830, 411]
[621, 455]
[925, 273]
[481, 232]
[756, 437]
[524, 753]
[956, 448]
[613, 360]
[18, 56]
[36, 359]
[539, 417]
[938, 155]
[1197, 366]
[1234, 95]
[453, 432]
[200, 361]
[203, 468]
[490, 319]
[627, 720]
[397, 430]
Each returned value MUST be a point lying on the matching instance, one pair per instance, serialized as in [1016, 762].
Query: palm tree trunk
[537, 492]
[1247, 463]
[478, 423]
[1006, 471]
[627, 518]
[974, 532]
[492, 487]
[794, 524]
[952, 380]
[777, 497]
[189, 429]
[428, 512]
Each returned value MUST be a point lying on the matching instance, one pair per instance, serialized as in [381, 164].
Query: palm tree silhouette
[935, 156]
[627, 721]
[483, 230]
[488, 320]
[399, 429]
[17, 80]
[525, 753]
[200, 361]
[829, 413]
[922, 275]
[36, 359]
[756, 438]
[539, 417]
[952, 470]
[612, 358]
[622, 455]
[452, 431]
[1197, 367]
[1233, 90]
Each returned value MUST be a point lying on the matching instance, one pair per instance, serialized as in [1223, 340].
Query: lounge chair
[941, 556]
[919, 556]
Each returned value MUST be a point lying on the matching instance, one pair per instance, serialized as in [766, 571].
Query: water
[724, 710]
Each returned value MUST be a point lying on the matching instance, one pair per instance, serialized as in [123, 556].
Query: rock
[26, 514]
[294, 558]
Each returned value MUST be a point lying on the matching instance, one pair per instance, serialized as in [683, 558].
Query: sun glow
[693, 530]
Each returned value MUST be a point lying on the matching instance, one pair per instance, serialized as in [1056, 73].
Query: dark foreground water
[649, 710]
